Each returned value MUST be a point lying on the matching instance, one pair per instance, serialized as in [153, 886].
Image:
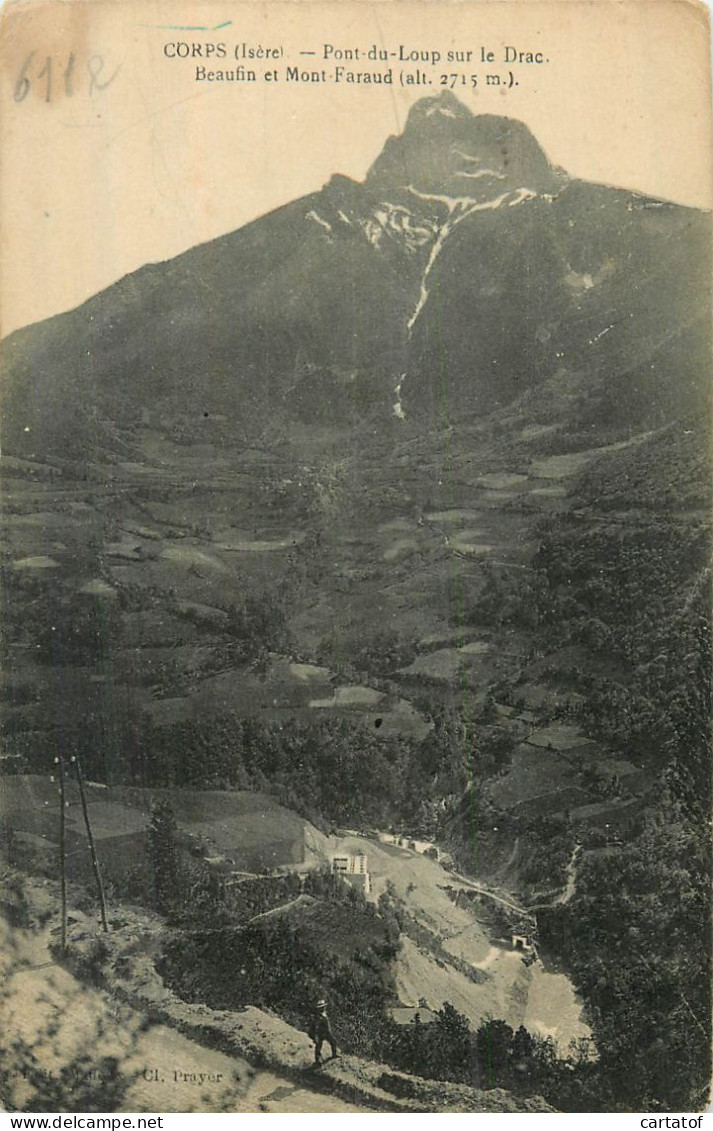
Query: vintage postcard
[355, 549]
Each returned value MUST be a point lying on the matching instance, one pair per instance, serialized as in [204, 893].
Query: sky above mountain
[151, 164]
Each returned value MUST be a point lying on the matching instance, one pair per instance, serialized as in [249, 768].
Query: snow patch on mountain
[466, 156]
[397, 406]
[458, 208]
[582, 281]
[423, 294]
[480, 173]
[396, 220]
[444, 111]
[519, 195]
[312, 215]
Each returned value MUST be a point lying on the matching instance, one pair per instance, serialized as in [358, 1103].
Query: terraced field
[158, 564]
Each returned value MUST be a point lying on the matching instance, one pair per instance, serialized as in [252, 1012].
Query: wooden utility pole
[62, 850]
[92, 849]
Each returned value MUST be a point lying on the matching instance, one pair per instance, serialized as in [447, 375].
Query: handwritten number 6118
[49, 75]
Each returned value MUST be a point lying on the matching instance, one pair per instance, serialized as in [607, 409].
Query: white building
[354, 870]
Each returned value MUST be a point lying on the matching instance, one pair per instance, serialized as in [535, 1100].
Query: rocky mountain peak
[444, 148]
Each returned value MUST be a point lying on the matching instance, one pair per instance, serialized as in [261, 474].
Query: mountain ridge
[350, 284]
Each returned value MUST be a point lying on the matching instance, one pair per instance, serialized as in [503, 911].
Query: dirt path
[274, 1094]
[62, 1020]
[571, 884]
[488, 894]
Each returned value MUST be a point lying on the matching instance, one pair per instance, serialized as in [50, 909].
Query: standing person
[321, 1031]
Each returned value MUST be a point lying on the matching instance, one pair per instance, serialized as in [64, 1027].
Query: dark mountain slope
[592, 280]
[217, 329]
[463, 270]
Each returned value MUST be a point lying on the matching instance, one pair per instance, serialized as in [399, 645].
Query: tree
[164, 856]
[494, 1042]
[452, 1048]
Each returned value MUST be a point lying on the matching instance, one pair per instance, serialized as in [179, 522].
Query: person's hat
[321, 1004]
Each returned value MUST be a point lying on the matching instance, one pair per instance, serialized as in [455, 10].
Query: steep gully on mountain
[459, 208]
